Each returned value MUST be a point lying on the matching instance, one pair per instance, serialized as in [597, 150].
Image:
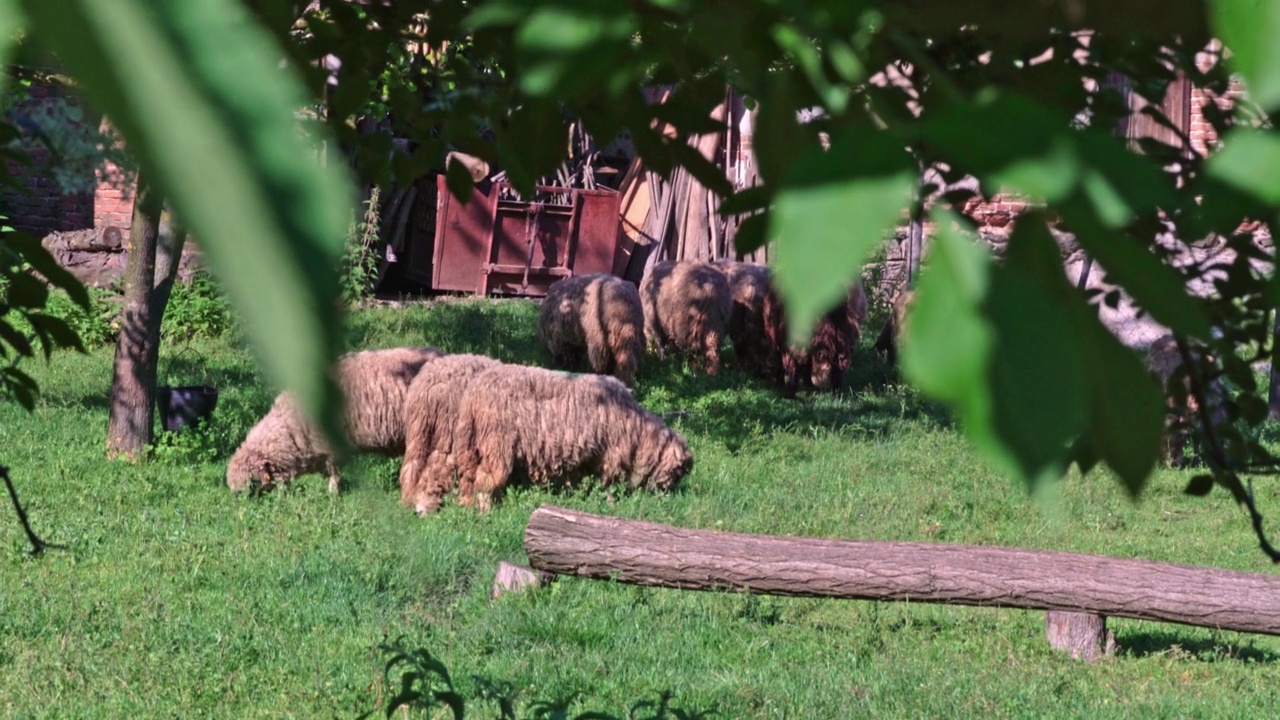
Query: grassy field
[178, 599]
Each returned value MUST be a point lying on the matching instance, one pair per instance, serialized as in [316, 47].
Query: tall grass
[178, 599]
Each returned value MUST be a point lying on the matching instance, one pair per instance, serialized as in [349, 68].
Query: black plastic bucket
[182, 407]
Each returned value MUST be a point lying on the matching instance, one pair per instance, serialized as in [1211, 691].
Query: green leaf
[1249, 29]
[748, 199]
[1037, 379]
[1155, 286]
[56, 329]
[1247, 160]
[832, 209]
[44, 263]
[15, 339]
[1125, 402]
[198, 92]
[573, 47]
[11, 22]
[946, 345]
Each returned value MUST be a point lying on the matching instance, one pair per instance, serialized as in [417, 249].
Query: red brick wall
[40, 207]
[113, 200]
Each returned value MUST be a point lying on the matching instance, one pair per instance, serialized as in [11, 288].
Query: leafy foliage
[897, 92]
[196, 90]
[25, 268]
[197, 308]
[424, 684]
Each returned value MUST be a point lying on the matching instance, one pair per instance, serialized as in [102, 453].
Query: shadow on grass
[1153, 643]
[502, 329]
[737, 409]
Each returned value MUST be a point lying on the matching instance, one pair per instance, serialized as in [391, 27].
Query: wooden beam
[567, 542]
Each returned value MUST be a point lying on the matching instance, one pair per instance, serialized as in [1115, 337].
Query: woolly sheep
[1164, 359]
[894, 326]
[558, 426]
[830, 350]
[597, 318]
[689, 304]
[748, 285]
[283, 445]
[430, 412]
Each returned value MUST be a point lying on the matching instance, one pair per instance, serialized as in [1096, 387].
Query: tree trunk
[133, 388]
[567, 542]
[169, 246]
[1273, 396]
[1082, 635]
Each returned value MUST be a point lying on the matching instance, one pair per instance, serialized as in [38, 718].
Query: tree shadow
[738, 409]
[503, 329]
[1148, 643]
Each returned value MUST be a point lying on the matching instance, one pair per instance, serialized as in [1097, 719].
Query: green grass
[178, 599]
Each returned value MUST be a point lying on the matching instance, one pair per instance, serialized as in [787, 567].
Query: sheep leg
[790, 374]
[437, 481]
[491, 477]
[711, 347]
[335, 477]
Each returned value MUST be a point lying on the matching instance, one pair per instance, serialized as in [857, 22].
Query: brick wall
[41, 207]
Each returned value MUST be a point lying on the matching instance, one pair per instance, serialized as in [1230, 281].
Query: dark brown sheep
[688, 304]
[829, 353]
[1164, 359]
[596, 318]
[748, 286]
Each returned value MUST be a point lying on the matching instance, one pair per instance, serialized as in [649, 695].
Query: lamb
[689, 304]
[598, 316]
[430, 412]
[555, 425]
[1164, 359]
[748, 285]
[830, 352]
[284, 445]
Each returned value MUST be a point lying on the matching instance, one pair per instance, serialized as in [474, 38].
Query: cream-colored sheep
[558, 426]
[284, 445]
[430, 412]
[597, 318]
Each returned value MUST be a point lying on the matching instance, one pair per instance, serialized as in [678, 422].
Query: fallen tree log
[567, 542]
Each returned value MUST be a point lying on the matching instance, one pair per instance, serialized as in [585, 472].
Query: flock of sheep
[471, 423]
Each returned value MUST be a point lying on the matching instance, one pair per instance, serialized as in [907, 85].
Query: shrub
[197, 308]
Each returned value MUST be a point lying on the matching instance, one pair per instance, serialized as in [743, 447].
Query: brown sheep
[1164, 359]
[689, 304]
[748, 285]
[830, 352]
[558, 426]
[430, 412]
[283, 445]
[894, 326]
[597, 318]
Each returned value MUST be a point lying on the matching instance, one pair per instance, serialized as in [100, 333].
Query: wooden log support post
[567, 542]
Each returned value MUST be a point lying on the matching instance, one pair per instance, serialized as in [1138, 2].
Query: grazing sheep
[894, 325]
[554, 425]
[1165, 360]
[748, 285]
[283, 445]
[689, 304]
[597, 316]
[830, 351]
[430, 412]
